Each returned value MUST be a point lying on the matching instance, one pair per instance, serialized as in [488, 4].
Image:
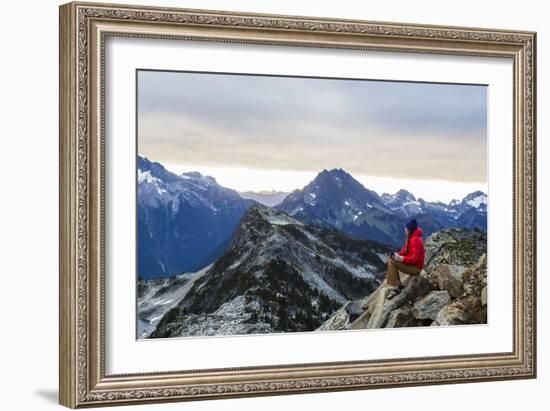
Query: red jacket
[413, 250]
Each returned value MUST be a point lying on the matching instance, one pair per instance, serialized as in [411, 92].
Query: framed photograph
[260, 204]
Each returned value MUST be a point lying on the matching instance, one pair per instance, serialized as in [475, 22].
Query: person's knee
[390, 262]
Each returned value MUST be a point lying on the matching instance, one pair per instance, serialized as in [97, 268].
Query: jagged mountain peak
[259, 216]
[336, 199]
[144, 164]
[405, 195]
[335, 176]
[154, 169]
[335, 186]
[476, 199]
[147, 167]
[335, 172]
[198, 177]
[269, 215]
[474, 194]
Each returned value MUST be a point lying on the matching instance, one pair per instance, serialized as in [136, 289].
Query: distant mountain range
[278, 274]
[267, 198]
[335, 199]
[186, 222]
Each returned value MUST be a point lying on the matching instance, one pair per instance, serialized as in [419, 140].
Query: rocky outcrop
[471, 306]
[455, 246]
[378, 308]
[452, 290]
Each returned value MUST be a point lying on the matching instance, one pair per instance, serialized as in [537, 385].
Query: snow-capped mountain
[267, 198]
[335, 199]
[470, 212]
[475, 214]
[406, 206]
[184, 221]
[402, 203]
[477, 200]
[278, 275]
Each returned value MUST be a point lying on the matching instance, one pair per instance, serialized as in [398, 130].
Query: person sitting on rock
[410, 260]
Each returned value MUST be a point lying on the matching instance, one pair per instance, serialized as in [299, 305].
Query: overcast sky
[264, 133]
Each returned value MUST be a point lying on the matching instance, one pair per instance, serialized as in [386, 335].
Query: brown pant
[393, 271]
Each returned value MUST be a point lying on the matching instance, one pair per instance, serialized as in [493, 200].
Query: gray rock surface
[342, 318]
[402, 317]
[449, 277]
[379, 308]
[428, 306]
[453, 314]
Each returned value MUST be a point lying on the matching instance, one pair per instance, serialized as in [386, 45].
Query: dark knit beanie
[412, 225]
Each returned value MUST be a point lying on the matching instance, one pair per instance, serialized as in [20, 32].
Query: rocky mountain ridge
[277, 275]
[451, 290]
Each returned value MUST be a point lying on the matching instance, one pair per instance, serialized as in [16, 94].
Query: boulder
[343, 317]
[453, 314]
[375, 300]
[428, 306]
[466, 310]
[450, 278]
[402, 317]
[379, 308]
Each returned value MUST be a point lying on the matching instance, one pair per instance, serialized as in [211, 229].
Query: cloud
[386, 129]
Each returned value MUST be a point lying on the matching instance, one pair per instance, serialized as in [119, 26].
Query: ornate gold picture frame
[84, 30]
